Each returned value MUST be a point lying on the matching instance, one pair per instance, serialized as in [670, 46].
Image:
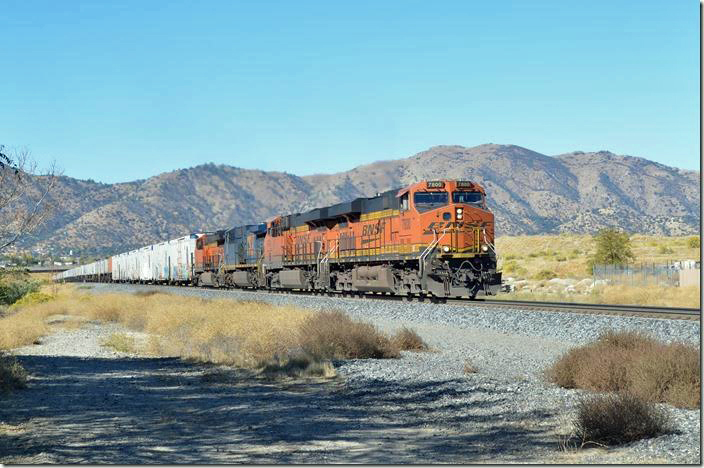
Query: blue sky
[117, 91]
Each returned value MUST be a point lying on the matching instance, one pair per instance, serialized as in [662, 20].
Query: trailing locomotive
[430, 238]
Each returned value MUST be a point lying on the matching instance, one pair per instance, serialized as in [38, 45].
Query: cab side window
[404, 202]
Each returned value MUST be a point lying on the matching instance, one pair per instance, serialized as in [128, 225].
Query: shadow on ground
[133, 411]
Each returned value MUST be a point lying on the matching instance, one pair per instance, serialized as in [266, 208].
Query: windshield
[425, 201]
[473, 198]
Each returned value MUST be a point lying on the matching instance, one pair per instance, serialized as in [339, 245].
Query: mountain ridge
[529, 192]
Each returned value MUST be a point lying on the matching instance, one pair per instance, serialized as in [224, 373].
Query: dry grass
[252, 335]
[120, 342]
[22, 327]
[567, 254]
[537, 258]
[662, 296]
[12, 374]
[635, 364]
[617, 419]
[406, 339]
[653, 295]
[43, 278]
[469, 367]
[334, 335]
[526, 256]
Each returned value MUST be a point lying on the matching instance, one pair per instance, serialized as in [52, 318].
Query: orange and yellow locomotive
[432, 237]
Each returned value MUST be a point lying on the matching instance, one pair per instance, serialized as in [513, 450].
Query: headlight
[446, 248]
[459, 213]
[485, 248]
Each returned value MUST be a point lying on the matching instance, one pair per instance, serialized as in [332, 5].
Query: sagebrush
[633, 363]
[12, 374]
[617, 419]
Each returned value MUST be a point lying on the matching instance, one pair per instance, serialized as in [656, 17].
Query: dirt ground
[86, 403]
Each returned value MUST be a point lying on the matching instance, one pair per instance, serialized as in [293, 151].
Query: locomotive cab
[453, 214]
[455, 244]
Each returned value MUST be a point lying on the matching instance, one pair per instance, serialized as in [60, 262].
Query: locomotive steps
[105, 406]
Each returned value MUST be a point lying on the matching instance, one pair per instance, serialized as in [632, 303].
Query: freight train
[432, 238]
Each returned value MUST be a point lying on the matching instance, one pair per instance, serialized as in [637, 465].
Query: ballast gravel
[422, 408]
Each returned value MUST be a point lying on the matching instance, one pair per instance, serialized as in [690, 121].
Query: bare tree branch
[23, 195]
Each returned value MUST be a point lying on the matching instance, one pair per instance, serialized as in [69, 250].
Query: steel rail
[617, 308]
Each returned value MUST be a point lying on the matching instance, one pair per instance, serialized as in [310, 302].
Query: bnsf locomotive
[431, 238]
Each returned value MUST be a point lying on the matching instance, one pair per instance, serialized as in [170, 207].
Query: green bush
[613, 247]
[663, 249]
[32, 298]
[693, 242]
[545, 275]
[512, 268]
[11, 290]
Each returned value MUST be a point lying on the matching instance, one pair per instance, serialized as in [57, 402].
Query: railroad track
[573, 307]
[609, 309]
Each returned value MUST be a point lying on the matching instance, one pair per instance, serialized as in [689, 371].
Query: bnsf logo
[442, 225]
[372, 229]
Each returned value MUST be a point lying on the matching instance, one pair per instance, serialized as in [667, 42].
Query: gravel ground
[90, 404]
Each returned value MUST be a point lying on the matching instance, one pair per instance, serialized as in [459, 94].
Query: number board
[435, 184]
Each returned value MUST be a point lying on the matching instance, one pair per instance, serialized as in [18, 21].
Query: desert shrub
[561, 259]
[120, 342]
[533, 255]
[407, 339]
[334, 335]
[149, 292]
[617, 419]
[32, 298]
[298, 365]
[510, 257]
[693, 242]
[469, 367]
[633, 363]
[545, 275]
[663, 249]
[12, 374]
[512, 268]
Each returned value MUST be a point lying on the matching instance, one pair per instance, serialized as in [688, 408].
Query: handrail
[491, 246]
[428, 249]
[326, 258]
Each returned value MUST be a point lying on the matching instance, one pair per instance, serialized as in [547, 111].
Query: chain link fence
[643, 274]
